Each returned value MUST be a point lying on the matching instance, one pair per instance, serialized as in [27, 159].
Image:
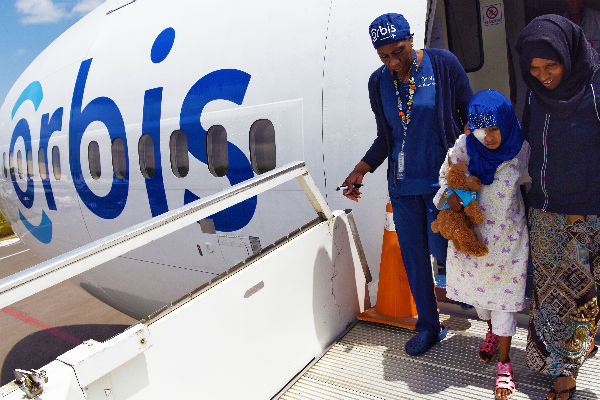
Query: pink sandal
[488, 349]
[505, 380]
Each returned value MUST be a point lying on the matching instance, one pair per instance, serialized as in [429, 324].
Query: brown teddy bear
[458, 225]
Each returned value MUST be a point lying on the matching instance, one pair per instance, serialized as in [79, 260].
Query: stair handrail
[58, 269]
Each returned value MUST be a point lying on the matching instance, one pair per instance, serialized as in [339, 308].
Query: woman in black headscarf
[562, 124]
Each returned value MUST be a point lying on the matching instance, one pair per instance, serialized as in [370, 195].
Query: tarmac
[34, 331]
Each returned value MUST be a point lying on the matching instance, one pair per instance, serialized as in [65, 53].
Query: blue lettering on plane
[42, 232]
[22, 130]
[155, 187]
[47, 128]
[34, 93]
[225, 84]
[105, 110]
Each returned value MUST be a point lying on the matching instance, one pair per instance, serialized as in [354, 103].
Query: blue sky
[29, 26]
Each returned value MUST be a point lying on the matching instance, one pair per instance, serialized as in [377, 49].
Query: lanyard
[405, 115]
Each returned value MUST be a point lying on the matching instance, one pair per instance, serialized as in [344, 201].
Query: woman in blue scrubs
[420, 100]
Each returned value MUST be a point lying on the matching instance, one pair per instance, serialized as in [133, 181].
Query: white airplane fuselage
[126, 99]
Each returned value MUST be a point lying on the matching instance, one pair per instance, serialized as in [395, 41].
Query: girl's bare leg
[504, 349]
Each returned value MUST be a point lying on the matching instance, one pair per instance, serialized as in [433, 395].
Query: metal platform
[370, 363]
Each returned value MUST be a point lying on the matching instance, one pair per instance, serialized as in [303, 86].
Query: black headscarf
[556, 38]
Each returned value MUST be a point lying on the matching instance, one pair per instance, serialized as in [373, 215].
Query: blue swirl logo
[33, 93]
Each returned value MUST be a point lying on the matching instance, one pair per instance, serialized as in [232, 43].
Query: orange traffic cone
[395, 304]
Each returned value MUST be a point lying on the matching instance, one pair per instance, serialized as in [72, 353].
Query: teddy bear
[458, 225]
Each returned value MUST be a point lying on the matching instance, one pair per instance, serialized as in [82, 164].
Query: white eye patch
[479, 134]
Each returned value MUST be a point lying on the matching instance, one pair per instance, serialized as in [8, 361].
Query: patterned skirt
[565, 251]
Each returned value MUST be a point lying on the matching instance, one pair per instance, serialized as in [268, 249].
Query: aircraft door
[483, 34]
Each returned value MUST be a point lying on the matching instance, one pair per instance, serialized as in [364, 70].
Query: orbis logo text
[381, 32]
[223, 84]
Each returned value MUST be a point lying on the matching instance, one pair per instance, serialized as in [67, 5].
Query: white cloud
[40, 11]
[20, 52]
[47, 11]
[85, 6]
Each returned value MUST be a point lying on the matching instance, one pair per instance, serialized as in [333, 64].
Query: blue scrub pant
[413, 216]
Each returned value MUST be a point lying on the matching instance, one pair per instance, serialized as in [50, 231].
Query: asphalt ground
[34, 331]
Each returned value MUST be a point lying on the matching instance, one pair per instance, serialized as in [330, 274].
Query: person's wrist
[362, 168]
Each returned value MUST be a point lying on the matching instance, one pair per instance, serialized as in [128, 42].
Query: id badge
[400, 171]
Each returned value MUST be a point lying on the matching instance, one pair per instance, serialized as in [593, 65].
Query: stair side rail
[58, 269]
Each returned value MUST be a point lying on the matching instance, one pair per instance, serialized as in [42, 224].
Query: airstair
[282, 324]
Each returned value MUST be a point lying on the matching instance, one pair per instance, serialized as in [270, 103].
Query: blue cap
[389, 28]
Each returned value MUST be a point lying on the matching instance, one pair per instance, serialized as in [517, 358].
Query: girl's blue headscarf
[491, 108]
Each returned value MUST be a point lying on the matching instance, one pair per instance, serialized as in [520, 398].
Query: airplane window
[216, 150]
[4, 164]
[20, 164]
[262, 146]
[146, 153]
[56, 163]
[180, 163]
[11, 165]
[464, 32]
[29, 164]
[42, 161]
[119, 159]
[94, 159]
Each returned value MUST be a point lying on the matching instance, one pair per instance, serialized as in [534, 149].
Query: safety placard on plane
[492, 14]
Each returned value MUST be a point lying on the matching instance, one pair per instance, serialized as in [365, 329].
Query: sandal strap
[505, 379]
[491, 337]
[511, 392]
[488, 349]
[490, 344]
[505, 368]
[505, 382]
[510, 387]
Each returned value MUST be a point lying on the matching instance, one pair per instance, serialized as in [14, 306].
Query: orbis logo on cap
[382, 32]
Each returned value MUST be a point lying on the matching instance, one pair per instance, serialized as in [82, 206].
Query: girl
[495, 284]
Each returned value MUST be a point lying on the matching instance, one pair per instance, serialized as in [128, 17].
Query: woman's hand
[455, 202]
[355, 178]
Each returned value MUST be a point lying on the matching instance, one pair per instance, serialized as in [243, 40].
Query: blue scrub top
[424, 151]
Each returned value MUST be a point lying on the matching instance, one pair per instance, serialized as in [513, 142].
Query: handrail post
[314, 196]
